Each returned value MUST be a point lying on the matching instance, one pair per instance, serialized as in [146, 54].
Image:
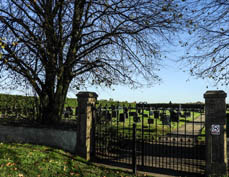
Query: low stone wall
[62, 139]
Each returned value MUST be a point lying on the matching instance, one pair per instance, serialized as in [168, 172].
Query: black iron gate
[158, 138]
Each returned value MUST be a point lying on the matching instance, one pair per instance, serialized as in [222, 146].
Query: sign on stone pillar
[86, 102]
[215, 127]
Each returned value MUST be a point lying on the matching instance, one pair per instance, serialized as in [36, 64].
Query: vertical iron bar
[177, 149]
[117, 131]
[134, 166]
[194, 153]
[170, 143]
[149, 139]
[163, 142]
[142, 111]
[156, 138]
[185, 131]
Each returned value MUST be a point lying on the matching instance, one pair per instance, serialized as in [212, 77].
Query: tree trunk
[52, 105]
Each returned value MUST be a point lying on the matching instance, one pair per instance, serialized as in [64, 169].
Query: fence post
[86, 102]
[215, 130]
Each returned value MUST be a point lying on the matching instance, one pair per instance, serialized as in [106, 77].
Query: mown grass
[26, 160]
[201, 137]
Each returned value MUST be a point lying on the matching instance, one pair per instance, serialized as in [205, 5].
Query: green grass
[26, 160]
[201, 137]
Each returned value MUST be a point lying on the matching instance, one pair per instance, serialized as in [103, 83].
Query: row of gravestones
[68, 112]
[106, 116]
[7, 111]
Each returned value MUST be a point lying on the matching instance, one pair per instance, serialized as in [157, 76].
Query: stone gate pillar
[215, 129]
[86, 102]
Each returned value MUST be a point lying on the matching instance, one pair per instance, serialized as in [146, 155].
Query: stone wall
[62, 139]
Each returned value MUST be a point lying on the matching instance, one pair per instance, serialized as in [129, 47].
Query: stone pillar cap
[215, 94]
[87, 94]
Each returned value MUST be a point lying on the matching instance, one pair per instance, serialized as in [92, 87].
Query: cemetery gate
[165, 138]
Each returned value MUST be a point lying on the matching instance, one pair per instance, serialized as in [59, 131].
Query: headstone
[136, 119]
[122, 117]
[134, 114]
[114, 113]
[126, 115]
[145, 115]
[156, 114]
[165, 120]
[104, 113]
[69, 110]
[66, 114]
[112, 107]
[125, 109]
[174, 116]
[108, 116]
[187, 114]
[150, 113]
[150, 121]
[162, 115]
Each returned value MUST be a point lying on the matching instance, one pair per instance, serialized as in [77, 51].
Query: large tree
[55, 44]
[207, 47]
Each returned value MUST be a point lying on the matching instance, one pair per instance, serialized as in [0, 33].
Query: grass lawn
[26, 160]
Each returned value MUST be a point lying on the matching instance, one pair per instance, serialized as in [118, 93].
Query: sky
[176, 86]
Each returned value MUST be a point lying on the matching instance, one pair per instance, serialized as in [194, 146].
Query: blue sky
[174, 86]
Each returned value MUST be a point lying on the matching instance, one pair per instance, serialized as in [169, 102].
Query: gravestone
[126, 115]
[134, 114]
[174, 116]
[187, 114]
[125, 109]
[150, 121]
[165, 120]
[122, 117]
[114, 113]
[68, 112]
[104, 113]
[136, 119]
[150, 113]
[69, 109]
[145, 115]
[108, 116]
[112, 107]
[156, 114]
[139, 111]
[162, 115]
